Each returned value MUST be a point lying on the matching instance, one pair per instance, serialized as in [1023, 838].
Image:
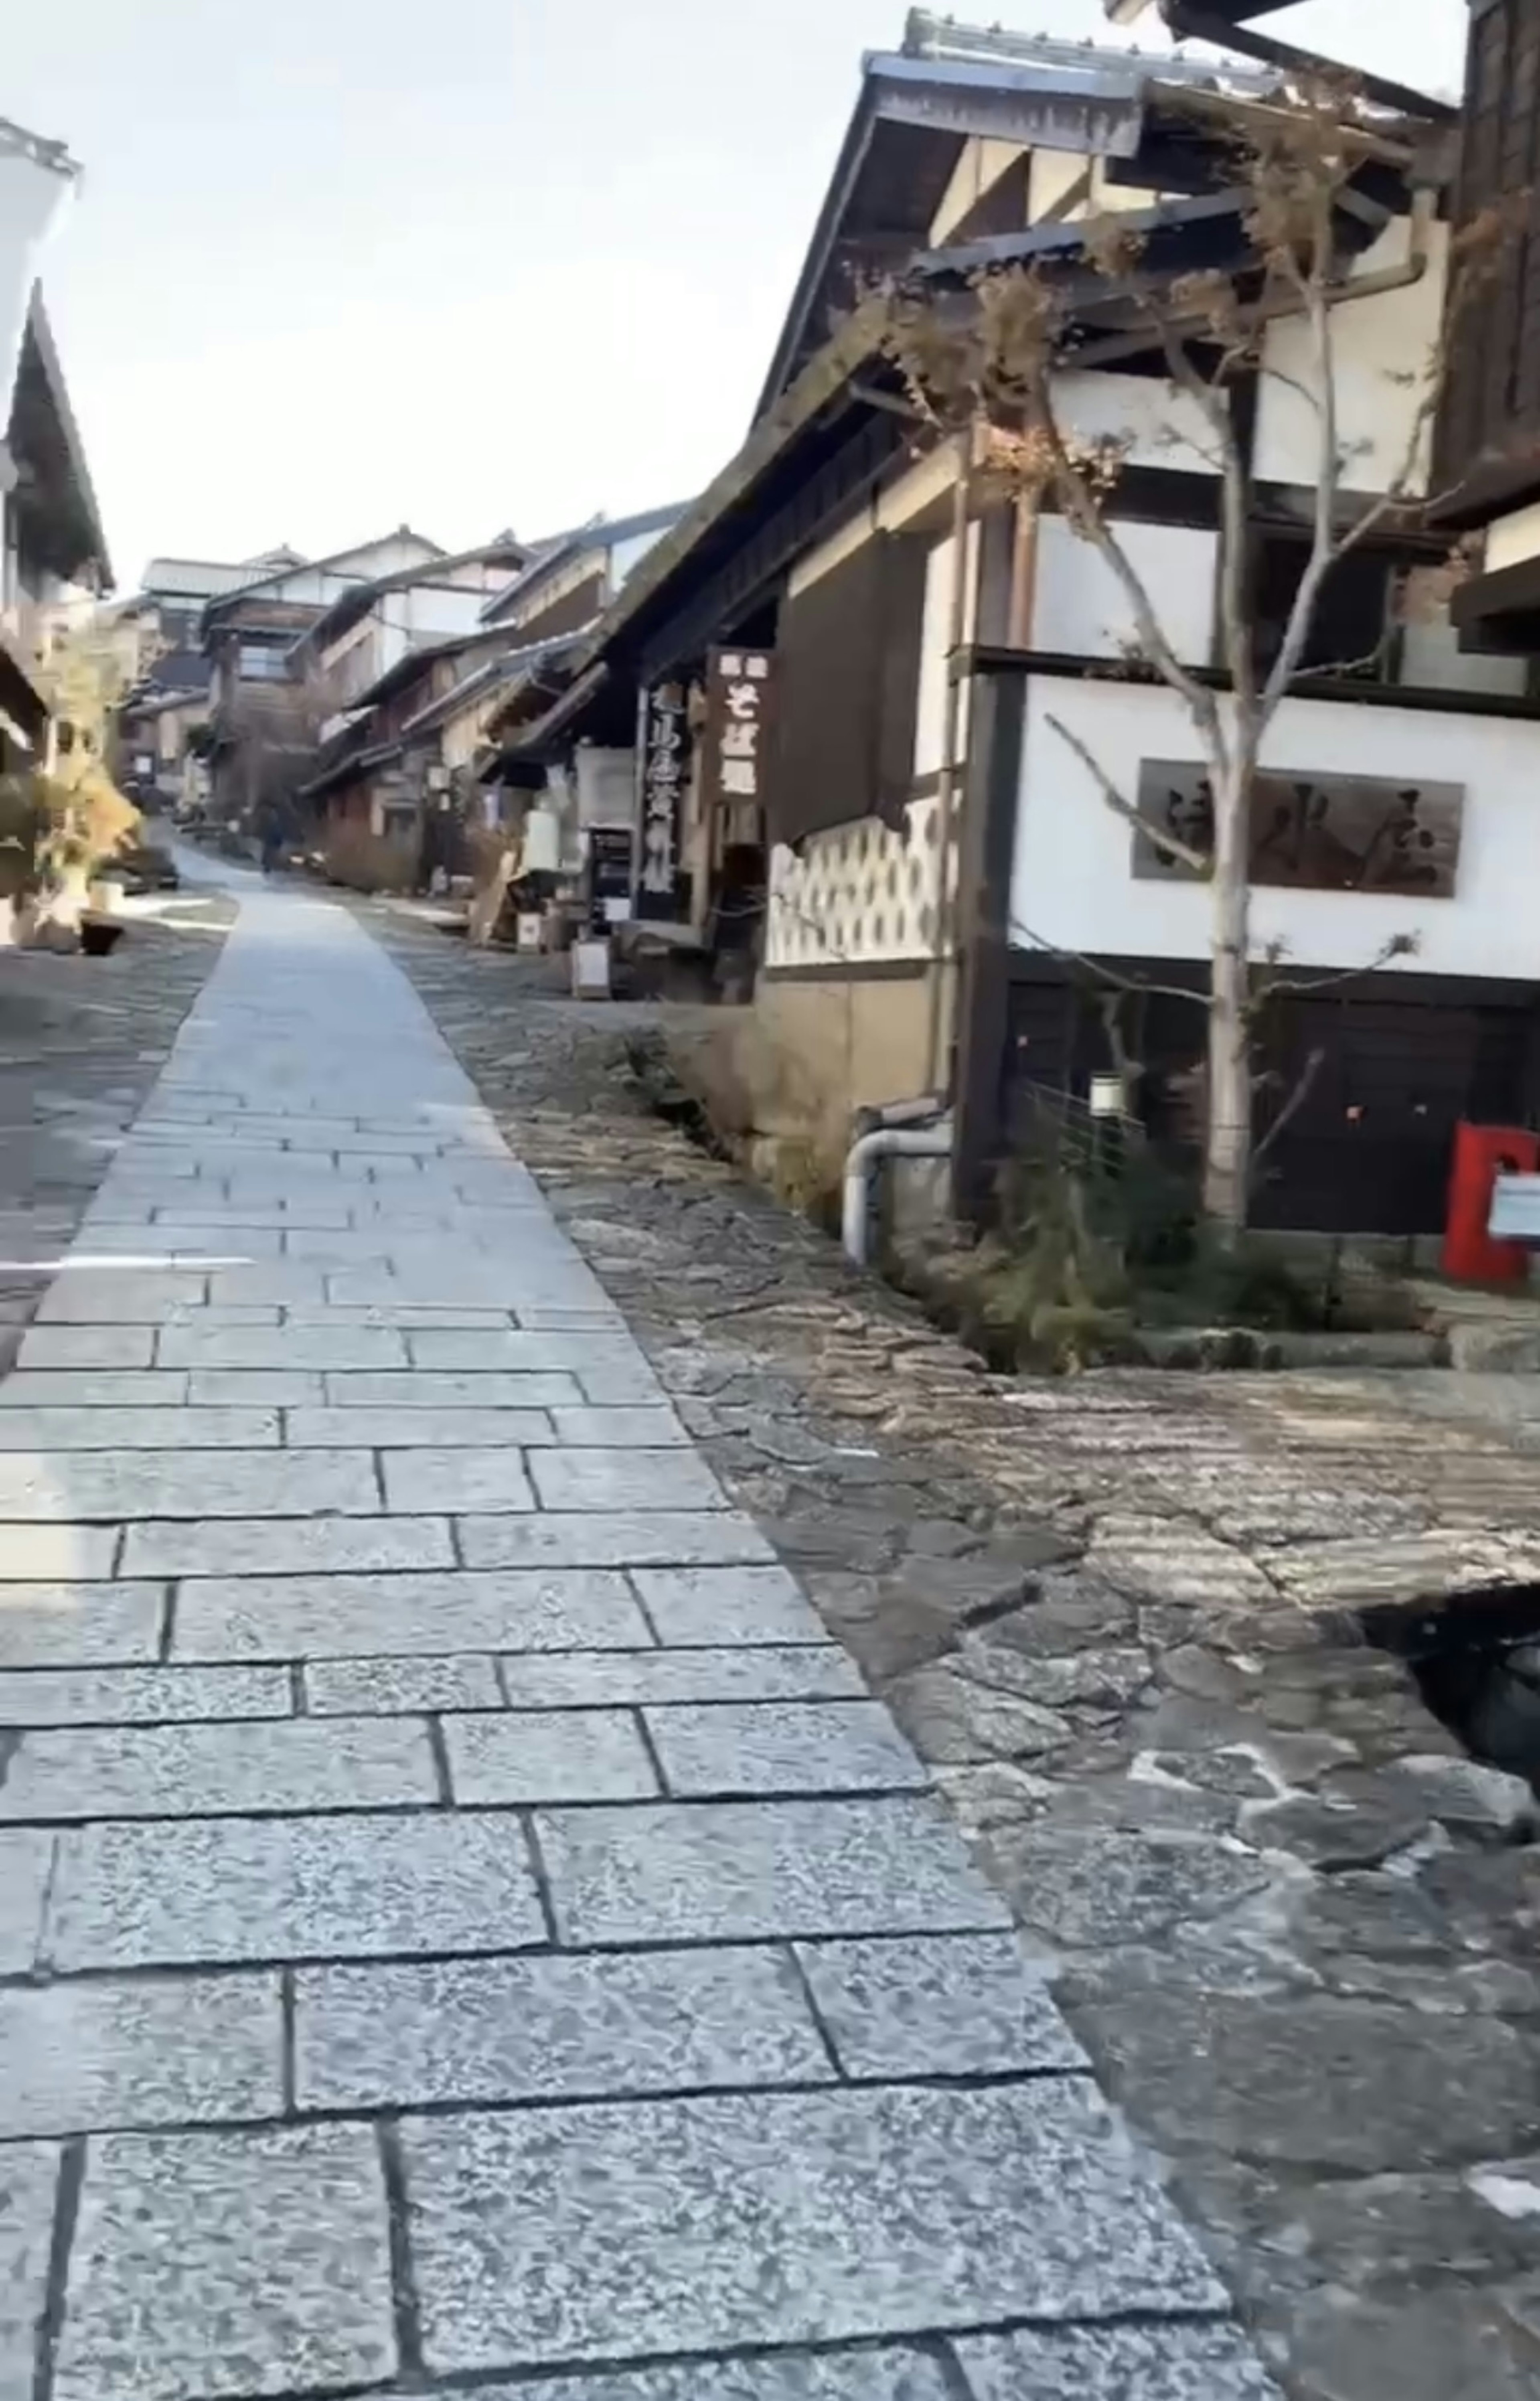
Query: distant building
[262, 711]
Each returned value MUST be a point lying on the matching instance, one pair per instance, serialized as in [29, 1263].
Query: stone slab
[26, 1856]
[407, 1318]
[227, 2265]
[205, 1314]
[596, 1539]
[184, 1771]
[250, 1216]
[419, 1390]
[294, 1546]
[474, 1283]
[613, 1479]
[431, 1430]
[116, 1297]
[715, 1748]
[619, 1428]
[721, 1871]
[582, 1680]
[137, 1429]
[320, 1348]
[50, 1554]
[104, 1696]
[386, 1616]
[527, 1755]
[269, 1388]
[608, 1371]
[790, 2218]
[551, 2029]
[937, 2005]
[79, 1625]
[88, 1346]
[456, 1479]
[65, 1388]
[396, 1687]
[891, 2373]
[742, 1605]
[70, 1487]
[1175, 2363]
[219, 1891]
[90, 2057]
[170, 1242]
[286, 1284]
[29, 2183]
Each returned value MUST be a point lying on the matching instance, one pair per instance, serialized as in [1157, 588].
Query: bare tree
[991, 359]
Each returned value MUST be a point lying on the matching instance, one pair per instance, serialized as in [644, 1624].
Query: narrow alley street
[461, 1915]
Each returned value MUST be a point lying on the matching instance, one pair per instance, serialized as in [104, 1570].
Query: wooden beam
[991, 795]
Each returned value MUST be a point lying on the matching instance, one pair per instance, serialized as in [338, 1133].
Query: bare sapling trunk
[1227, 1151]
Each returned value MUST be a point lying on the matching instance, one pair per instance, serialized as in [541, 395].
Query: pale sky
[338, 265]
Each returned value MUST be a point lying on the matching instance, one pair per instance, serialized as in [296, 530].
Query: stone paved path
[460, 1919]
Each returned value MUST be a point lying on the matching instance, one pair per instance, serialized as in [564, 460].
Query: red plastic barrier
[1481, 1154]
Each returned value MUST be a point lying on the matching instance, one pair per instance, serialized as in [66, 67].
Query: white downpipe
[861, 1166]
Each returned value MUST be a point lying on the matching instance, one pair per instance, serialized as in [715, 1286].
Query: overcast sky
[341, 264]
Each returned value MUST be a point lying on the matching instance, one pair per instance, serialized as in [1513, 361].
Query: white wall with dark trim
[1073, 884]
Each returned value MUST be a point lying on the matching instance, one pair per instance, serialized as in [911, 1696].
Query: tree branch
[1399, 946]
[1081, 506]
[1107, 975]
[1198, 860]
[1301, 614]
[1291, 1107]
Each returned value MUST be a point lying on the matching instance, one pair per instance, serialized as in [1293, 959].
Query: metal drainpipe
[885, 1142]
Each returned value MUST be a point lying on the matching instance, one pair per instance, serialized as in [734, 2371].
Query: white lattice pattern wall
[861, 892]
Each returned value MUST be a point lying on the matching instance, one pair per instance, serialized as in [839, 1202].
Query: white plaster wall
[1375, 341]
[981, 163]
[429, 612]
[862, 892]
[935, 652]
[1053, 174]
[1161, 426]
[1081, 607]
[1073, 884]
[1511, 540]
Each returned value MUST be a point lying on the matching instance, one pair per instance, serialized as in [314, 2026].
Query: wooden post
[991, 797]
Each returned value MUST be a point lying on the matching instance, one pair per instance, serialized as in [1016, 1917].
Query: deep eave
[60, 512]
[916, 110]
[598, 534]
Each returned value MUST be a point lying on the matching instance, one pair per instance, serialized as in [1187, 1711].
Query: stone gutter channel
[1153, 1633]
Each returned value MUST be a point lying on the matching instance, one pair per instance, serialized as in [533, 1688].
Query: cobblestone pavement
[461, 1917]
[1292, 1924]
[81, 1042]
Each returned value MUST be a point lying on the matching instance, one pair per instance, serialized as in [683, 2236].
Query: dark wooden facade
[1404, 1059]
[1489, 434]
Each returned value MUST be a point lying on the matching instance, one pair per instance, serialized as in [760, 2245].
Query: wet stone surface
[1295, 1935]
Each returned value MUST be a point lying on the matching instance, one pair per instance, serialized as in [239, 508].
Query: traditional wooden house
[948, 895]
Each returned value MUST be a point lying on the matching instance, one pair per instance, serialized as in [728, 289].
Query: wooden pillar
[991, 796]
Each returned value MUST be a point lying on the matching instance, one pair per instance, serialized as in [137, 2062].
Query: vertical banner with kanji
[738, 688]
[662, 768]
